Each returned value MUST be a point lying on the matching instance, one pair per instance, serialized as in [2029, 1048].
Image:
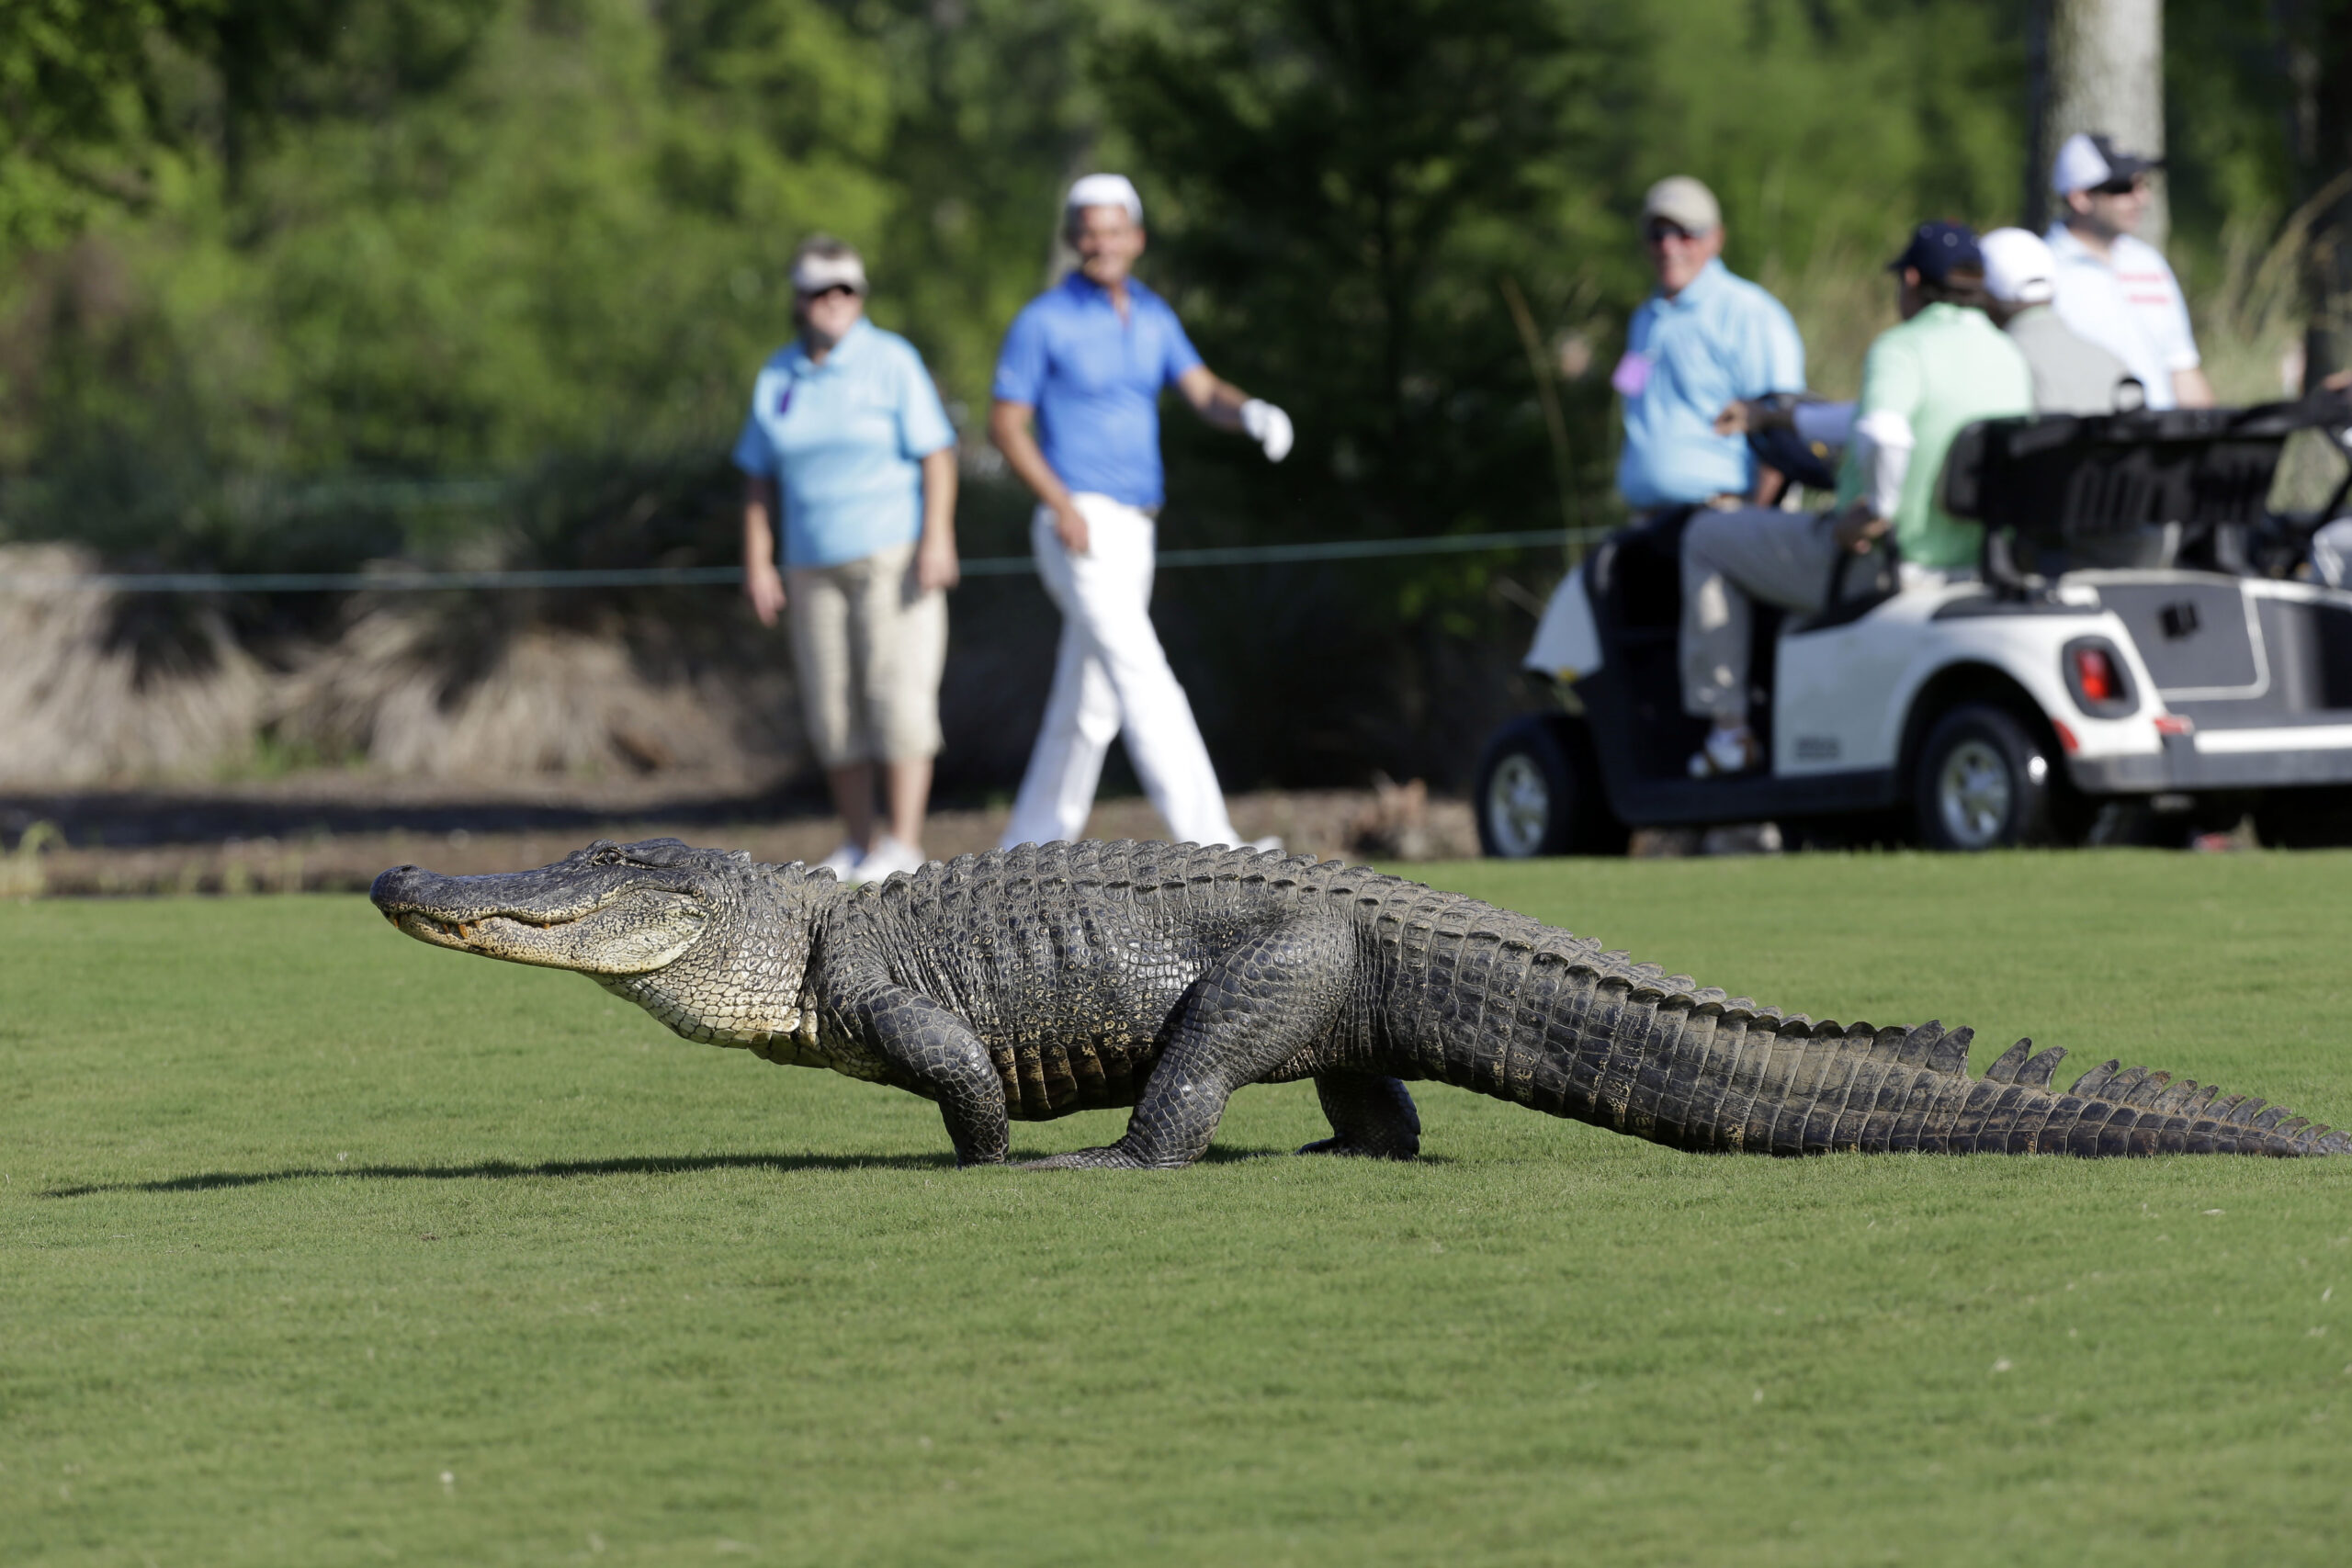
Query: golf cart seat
[2142, 489]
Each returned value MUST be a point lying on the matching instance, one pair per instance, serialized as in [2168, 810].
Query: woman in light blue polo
[847, 433]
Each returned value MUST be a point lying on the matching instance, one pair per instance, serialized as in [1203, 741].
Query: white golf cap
[811, 273]
[1105, 190]
[2090, 158]
[2018, 268]
[1684, 202]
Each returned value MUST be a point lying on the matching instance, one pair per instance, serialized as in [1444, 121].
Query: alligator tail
[1656, 1056]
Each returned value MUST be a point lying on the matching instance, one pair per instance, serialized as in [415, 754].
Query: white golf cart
[2138, 639]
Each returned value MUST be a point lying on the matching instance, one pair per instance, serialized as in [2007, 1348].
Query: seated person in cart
[1946, 365]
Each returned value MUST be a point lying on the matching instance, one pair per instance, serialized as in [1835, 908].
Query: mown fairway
[319, 1247]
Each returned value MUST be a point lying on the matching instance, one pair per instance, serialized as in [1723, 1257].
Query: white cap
[2018, 268]
[1684, 202]
[811, 273]
[1105, 190]
[2090, 158]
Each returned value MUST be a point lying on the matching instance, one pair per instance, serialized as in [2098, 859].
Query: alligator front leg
[1370, 1115]
[1248, 1016]
[934, 1052]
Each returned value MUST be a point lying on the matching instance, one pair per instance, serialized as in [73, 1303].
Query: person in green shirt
[1945, 365]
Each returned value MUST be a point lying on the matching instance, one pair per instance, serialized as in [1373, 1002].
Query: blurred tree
[78, 109]
[2106, 75]
[1338, 187]
[2317, 49]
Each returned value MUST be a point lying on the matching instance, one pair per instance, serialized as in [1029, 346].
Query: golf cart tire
[2304, 819]
[1539, 792]
[1984, 779]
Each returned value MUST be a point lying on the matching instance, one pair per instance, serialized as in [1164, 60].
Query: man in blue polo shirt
[1087, 361]
[1703, 341]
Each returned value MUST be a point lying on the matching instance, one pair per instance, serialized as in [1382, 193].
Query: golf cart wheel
[2304, 819]
[1984, 781]
[1539, 794]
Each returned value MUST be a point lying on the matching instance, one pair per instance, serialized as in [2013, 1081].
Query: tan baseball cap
[1684, 202]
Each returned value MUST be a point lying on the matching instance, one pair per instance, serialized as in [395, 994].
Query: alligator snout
[402, 887]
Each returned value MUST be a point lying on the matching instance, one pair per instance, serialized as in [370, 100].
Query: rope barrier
[728, 576]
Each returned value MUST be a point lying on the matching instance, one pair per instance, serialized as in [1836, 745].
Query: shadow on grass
[500, 1170]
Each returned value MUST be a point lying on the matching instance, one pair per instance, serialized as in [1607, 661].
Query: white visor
[811, 274]
[1105, 190]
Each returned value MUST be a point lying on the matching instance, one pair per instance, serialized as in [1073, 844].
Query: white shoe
[843, 863]
[889, 855]
[1727, 751]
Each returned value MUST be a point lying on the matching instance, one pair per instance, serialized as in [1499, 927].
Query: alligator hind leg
[1247, 1017]
[1370, 1115]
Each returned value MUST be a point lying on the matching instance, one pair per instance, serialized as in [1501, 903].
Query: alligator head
[710, 943]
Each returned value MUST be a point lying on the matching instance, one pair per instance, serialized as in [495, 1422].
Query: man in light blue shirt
[1703, 341]
[1087, 361]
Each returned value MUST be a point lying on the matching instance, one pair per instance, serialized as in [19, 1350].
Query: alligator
[1031, 983]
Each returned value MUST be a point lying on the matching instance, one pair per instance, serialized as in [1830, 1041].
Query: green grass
[319, 1247]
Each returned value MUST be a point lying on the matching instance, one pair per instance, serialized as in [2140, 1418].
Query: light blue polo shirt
[846, 441]
[1094, 380]
[1722, 338]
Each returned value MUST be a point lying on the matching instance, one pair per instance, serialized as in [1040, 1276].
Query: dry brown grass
[79, 703]
[1328, 823]
[477, 688]
[397, 690]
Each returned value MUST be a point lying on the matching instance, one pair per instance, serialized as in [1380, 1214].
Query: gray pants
[1728, 558]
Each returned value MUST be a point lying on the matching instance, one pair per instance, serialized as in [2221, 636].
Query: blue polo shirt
[846, 441]
[1722, 338]
[1094, 379]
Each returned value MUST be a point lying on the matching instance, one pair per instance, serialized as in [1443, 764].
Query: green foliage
[1344, 186]
[77, 110]
[452, 236]
[303, 1217]
[458, 239]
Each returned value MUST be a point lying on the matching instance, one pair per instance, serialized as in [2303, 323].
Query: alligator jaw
[613, 929]
[460, 934]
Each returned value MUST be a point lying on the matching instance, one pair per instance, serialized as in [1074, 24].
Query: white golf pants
[1111, 675]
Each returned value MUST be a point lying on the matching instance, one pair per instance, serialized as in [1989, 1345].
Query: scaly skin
[1032, 983]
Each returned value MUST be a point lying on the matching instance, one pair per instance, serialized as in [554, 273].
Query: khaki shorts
[870, 648]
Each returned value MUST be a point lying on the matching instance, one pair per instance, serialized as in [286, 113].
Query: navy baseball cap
[1937, 248]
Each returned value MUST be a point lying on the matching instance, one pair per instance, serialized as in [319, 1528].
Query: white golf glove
[1267, 426]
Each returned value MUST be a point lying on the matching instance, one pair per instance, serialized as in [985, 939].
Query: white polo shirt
[2130, 305]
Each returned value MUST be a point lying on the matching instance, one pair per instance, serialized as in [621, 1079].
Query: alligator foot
[1111, 1159]
[1351, 1147]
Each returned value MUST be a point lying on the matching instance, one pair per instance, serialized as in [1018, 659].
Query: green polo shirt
[1946, 367]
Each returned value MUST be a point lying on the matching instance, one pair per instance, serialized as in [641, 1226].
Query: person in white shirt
[2071, 375]
[2116, 289]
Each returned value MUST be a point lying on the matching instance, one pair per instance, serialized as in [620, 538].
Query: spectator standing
[2112, 286]
[847, 431]
[1945, 365]
[2071, 374]
[1704, 340]
[1086, 361]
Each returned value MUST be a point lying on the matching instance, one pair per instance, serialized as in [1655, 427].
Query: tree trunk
[2107, 73]
[2319, 67]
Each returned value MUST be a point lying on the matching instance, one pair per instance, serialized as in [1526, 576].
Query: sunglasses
[2118, 188]
[827, 292]
[1660, 231]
